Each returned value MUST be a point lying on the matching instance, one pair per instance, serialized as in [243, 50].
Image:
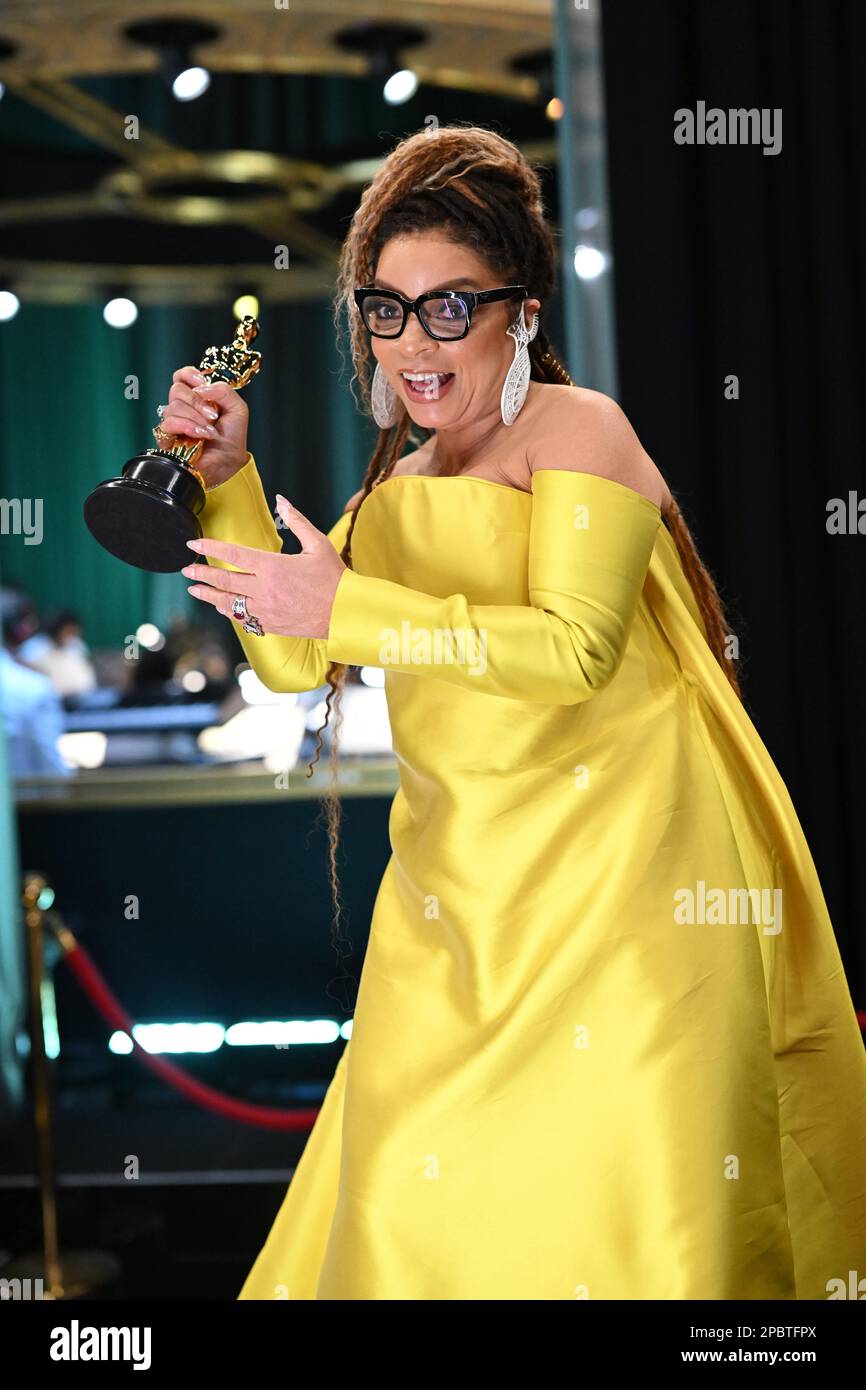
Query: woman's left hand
[291, 595]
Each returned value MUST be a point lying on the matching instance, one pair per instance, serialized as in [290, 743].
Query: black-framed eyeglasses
[443, 314]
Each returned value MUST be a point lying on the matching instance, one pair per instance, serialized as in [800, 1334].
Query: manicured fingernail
[194, 545]
[210, 412]
[192, 589]
[205, 429]
[189, 571]
[202, 380]
[281, 498]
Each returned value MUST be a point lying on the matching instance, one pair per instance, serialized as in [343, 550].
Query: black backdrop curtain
[728, 261]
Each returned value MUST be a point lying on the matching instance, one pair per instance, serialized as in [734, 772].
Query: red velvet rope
[105, 1003]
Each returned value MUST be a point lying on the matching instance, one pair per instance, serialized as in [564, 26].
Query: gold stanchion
[75, 1272]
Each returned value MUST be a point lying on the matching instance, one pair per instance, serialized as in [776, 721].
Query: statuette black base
[146, 516]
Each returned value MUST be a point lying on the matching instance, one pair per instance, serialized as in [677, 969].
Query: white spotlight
[150, 636]
[9, 305]
[589, 262]
[401, 86]
[191, 83]
[194, 681]
[120, 313]
[246, 304]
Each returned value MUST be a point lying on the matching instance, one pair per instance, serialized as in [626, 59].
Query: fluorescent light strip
[179, 1038]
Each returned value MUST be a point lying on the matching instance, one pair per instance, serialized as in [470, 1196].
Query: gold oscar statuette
[147, 515]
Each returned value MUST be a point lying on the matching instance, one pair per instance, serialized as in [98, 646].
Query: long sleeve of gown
[237, 511]
[590, 544]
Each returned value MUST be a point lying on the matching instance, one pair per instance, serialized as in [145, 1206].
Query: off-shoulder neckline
[520, 492]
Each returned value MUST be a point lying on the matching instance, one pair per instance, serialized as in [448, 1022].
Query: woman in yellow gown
[603, 1045]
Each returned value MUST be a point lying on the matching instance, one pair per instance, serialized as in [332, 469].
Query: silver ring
[241, 615]
[160, 410]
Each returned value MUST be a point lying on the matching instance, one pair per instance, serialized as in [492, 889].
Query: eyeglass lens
[446, 318]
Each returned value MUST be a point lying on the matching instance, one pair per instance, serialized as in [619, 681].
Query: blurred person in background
[30, 707]
[60, 652]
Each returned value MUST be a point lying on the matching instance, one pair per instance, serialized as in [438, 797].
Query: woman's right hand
[223, 433]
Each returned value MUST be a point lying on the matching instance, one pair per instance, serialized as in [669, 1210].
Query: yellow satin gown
[583, 1065]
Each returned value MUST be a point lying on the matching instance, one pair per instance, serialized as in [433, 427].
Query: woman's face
[469, 372]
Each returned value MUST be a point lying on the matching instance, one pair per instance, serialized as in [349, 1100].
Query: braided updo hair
[477, 188]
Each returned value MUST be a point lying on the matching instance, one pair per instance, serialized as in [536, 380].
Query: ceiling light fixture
[381, 45]
[174, 40]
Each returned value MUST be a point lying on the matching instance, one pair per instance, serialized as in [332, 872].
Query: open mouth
[427, 386]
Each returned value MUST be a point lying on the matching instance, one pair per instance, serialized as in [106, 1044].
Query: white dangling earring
[516, 383]
[383, 400]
